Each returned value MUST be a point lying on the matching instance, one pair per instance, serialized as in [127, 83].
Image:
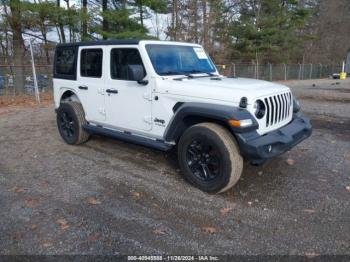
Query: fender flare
[68, 93]
[191, 113]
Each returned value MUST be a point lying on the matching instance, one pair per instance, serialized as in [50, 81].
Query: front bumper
[257, 149]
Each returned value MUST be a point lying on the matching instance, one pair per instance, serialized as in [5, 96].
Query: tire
[209, 157]
[70, 121]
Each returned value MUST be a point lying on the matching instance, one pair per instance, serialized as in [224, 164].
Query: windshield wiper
[199, 72]
[167, 73]
[188, 74]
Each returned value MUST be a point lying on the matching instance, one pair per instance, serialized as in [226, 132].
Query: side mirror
[143, 82]
[136, 72]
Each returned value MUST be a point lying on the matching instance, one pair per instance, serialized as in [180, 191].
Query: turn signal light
[240, 123]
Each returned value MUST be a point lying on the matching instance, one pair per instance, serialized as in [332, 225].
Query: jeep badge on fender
[164, 94]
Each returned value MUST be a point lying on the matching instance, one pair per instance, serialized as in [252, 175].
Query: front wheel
[209, 157]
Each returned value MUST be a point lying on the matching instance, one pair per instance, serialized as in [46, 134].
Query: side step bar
[127, 137]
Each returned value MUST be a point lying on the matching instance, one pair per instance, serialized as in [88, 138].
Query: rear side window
[91, 63]
[65, 63]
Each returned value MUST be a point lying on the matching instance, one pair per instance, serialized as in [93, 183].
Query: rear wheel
[209, 157]
[70, 122]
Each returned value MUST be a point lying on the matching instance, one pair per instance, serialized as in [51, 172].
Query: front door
[128, 103]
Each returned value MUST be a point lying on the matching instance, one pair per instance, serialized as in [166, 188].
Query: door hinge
[148, 119]
[102, 111]
[147, 96]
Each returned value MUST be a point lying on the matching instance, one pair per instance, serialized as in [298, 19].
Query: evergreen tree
[121, 25]
[267, 30]
[125, 19]
[145, 6]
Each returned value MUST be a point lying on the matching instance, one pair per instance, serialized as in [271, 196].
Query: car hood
[223, 88]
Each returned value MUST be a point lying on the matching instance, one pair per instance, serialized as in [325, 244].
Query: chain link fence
[278, 72]
[18, 73]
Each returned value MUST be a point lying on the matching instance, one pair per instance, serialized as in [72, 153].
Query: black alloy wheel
[66, 125]
[203, 159]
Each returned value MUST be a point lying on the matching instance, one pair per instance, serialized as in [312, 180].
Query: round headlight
[260, 109]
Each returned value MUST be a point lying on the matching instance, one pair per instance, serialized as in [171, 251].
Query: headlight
[260, 109]
[296, 105]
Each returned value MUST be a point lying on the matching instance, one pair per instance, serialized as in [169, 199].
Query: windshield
[178, 60]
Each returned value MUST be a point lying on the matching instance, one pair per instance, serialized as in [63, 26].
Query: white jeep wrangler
[164, 94]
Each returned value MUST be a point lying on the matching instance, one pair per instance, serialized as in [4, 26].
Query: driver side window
[123, 60]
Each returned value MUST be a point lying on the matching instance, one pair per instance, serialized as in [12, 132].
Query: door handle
[83, 87]
[112, 91]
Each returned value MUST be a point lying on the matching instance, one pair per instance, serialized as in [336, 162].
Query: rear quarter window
[65, 63]
[91, 63]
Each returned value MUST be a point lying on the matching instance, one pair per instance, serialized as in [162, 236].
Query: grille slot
[277, 108]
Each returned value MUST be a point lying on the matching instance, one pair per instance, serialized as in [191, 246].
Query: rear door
[90, 82]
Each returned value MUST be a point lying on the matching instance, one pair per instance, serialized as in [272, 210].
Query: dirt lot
[109, 197]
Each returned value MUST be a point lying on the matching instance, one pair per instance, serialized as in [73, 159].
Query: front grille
[277, 108]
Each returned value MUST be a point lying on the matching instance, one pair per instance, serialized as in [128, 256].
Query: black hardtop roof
[102, 42]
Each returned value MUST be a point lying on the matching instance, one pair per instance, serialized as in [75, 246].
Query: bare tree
[84, 26]
[18, 44]
[174, 21]
[61, 33]
[105, 25]
[330, 31]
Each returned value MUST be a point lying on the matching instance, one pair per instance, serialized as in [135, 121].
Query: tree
[58, 21]
[38, 18]
[330, 28]
[203, 22]
[121, 25]
[119, 21]
[173, 29]
[84, 21]
[144, 6]
[4, 36]
[105, 26]
[267, 30]
[14, 19]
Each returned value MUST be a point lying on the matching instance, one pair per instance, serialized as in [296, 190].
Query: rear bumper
[257, 149]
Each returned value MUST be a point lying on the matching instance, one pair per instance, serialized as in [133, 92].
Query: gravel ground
[110, 197]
